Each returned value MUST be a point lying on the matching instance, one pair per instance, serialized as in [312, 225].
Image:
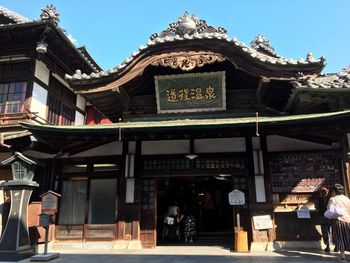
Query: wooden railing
[15, 118]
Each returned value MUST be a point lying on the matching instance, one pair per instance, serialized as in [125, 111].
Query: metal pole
[234, 218]
[238, 221]
[46, 239]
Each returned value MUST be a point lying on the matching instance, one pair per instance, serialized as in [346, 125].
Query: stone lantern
[15, 237]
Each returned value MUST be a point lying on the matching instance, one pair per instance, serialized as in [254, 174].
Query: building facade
[196, 114]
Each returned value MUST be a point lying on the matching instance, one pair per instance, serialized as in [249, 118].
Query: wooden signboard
[49, 202]
[262, 222]
[193, 92]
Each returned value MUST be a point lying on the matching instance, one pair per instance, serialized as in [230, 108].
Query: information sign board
[236, 197]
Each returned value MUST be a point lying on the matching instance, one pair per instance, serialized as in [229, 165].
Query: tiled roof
[338, 80]
[49, 13]
[15, 17]
[191, 28]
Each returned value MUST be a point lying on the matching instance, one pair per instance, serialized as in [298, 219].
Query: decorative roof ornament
[188, 24]
[188, 62]
[310, 58]
[50, 13]
[261, 44]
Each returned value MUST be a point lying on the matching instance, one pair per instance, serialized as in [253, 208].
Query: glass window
[59, 113]
[54, 111]
[12, 97]
[67, 115]
[102, 194]
[72, 206]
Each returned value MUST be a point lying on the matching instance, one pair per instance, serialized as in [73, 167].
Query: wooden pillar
[267, 173]
[346, 163]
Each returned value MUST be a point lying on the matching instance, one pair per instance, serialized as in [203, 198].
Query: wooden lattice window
[148, 194]
[59, 113]
[220, 162]
[12, 97]
[155, 164]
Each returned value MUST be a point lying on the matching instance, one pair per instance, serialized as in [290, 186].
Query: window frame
[61, 103]
[21, 103]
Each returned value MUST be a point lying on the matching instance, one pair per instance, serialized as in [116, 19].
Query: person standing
[171, 222]
[341, 225]
[190, 226]
[325, 222]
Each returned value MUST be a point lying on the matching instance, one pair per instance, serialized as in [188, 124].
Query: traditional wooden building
[35, 56]
[195, 115]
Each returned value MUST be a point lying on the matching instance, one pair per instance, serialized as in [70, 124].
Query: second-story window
[59, 113]
[12, 97]
[61, 104]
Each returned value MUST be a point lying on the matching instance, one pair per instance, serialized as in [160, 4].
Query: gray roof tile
[329, 81]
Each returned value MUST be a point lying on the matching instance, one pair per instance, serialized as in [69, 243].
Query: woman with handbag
[339, 207]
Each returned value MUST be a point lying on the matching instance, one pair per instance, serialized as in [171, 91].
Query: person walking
[340, 204]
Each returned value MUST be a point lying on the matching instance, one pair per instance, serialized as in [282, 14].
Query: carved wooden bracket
[188, 62]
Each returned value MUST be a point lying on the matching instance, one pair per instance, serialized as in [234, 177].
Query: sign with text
[44, 220]
[236, 197]
[303, 212]
[193, 92]
[49, 202]
[262, 222]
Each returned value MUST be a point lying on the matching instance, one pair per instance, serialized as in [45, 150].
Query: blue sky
[112, 29]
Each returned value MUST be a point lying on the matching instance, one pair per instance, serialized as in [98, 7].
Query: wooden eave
[181, 123]
[74, 139]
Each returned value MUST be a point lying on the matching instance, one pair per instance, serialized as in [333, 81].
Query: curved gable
[192, 34]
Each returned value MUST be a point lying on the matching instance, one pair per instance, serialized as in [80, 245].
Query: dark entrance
[206, 198]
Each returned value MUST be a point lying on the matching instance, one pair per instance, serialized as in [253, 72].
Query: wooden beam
[260, 90]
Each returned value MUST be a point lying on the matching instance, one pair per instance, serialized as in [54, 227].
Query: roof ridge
[14, 16]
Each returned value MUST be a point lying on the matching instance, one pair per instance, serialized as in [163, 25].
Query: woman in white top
[341, 225]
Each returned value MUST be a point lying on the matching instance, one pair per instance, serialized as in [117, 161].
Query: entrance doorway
[204, 197]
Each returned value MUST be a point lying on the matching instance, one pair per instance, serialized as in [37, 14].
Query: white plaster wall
[42, 72]
[113, 148]
[276, 143]
[39, 99]
[81, 102]
[165, 147]
[219, 145]
[79, 118]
